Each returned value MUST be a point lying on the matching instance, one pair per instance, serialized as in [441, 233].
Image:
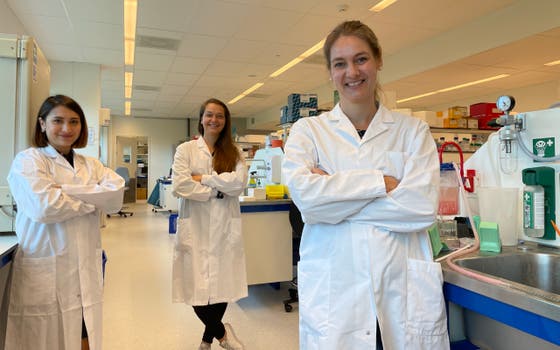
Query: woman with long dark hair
[209, 174]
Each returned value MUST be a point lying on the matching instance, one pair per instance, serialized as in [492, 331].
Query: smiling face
[213, 119]
[62, 127]
[353, 70]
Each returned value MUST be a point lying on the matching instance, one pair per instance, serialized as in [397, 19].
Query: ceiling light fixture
[300, 58]
[380, 6]
[289, 65]
[455, 87]
[246, 92]
[128, 78]
[130, 10]
[553, 63]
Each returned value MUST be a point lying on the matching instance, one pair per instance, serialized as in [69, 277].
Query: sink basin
[537, 270]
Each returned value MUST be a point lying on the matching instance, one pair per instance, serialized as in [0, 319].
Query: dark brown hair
[40, 138]
[226, 154]
[359, 30]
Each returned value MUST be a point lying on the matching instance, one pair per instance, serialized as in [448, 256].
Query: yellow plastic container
[274, 191]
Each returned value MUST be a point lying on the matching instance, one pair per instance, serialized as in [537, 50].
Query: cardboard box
[458, 112]
[472, 123]
[454, 123]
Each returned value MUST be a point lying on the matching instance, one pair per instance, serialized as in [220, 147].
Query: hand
[197, 178]
[318, 171]
[390, 183]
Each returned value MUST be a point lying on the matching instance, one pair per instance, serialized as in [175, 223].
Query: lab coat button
[368, 332]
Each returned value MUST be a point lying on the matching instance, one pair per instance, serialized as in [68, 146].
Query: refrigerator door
[34, 77]
[24, 85]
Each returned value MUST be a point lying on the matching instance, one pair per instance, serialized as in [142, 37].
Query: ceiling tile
[172, 15]
[189, 65]
[219, 18]
[267, 24]
[201, 46]
[148, 77]
[108, 57]
[181, 79]
[153, 62]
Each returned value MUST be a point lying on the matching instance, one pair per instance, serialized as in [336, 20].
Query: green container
[435, 239]
[489, 235]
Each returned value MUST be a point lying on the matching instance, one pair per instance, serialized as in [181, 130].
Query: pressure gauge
[505, 103]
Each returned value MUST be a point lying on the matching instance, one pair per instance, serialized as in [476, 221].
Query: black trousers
[211, 315]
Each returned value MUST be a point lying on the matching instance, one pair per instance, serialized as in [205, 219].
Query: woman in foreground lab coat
[366, 181]
[57, 283]
[209, 174]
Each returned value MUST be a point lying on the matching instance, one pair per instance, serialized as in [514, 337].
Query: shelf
[461, 131]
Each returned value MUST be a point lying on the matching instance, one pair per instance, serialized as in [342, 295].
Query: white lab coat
[486, 162]
[364, 253]
[209, 259]
[57, 269]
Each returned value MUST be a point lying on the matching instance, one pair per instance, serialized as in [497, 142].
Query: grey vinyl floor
[138, 312]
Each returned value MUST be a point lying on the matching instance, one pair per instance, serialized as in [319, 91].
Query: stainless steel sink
[536, 270]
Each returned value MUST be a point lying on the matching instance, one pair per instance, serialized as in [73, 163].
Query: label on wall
[544, 147]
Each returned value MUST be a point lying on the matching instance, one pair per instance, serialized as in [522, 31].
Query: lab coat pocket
[425, 304]
[234, 234]
[314, 296]
[184, 239]
[35, 280]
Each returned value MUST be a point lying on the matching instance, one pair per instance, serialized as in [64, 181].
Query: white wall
[163, 135]
[82, 82]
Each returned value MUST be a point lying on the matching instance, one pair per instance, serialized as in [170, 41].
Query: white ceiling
[224, 47]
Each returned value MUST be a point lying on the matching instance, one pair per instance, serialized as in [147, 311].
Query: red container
[483, 109]
[483, 121]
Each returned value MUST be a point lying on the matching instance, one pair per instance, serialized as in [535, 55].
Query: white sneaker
[231, 342]
[205, 346]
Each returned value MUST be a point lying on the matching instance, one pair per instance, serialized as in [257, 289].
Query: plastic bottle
[533, 210]
[252, 182]
[448, 190]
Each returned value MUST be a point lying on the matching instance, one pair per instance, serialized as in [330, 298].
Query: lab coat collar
[51, 152]
[381, 122]
[201, 144]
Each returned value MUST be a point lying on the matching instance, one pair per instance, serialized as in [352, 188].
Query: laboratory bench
[8, 245]
[267, 235]
[501, 317]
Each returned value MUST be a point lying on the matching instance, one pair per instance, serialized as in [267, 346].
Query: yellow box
[274, 191]
[458, 111]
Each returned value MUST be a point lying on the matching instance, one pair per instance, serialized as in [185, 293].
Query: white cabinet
[166, 199]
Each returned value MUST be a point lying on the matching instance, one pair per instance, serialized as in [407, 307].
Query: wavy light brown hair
[226, 154]
[40, 138]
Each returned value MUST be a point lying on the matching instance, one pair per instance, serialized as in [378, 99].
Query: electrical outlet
[5, 196]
